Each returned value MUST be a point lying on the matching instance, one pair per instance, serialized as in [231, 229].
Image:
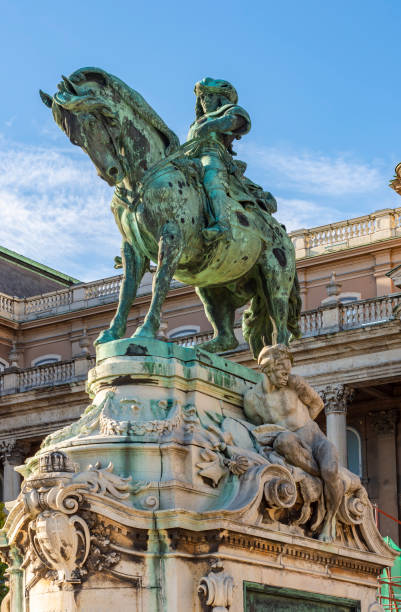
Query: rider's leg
[134, 265]
[220, 306]
[170, 249]
[215, 182]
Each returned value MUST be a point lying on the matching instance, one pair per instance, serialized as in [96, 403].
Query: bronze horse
[159, 206]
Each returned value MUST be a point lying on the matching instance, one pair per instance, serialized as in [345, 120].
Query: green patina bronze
[189, 207]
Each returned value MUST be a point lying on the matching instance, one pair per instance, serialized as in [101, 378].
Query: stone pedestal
[159, 499]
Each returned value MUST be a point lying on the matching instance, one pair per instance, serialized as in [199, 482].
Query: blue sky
[319, 79]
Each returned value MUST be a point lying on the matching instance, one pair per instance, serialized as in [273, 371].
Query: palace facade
[350, 278]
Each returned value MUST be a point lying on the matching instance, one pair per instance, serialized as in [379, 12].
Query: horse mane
[131, 97]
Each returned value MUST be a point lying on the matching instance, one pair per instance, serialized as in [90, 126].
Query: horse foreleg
[220, 305]
[134, 264]
[170, 249]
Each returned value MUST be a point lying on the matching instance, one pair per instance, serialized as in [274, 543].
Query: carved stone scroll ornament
[217, 588]
[60, 533]
[280, 490]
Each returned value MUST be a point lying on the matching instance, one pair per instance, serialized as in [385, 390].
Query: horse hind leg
[220, 306]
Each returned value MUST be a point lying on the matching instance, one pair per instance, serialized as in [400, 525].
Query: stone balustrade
[380, 225]
[48, 301]
[326, 319]
[103, 288]
[14, 380]
[194, 339]
[77, 297]
[311, 322]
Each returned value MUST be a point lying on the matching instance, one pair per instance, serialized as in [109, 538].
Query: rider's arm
[228, 124]
[307, 395]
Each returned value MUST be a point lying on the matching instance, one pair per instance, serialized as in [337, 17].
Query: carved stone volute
[216, 589]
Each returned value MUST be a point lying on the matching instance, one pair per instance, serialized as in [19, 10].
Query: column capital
[10, 452]
[336, 398]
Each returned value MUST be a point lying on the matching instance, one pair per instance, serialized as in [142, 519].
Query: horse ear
[46, 99]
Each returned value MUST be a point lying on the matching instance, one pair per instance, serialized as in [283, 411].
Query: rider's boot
[220, 228]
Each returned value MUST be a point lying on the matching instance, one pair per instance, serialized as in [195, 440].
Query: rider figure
[218, 122]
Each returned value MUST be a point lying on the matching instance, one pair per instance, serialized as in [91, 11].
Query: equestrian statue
[189, 207]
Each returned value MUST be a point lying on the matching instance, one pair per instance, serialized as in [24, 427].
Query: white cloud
[315, 173]
[296, 213]
[56, 210]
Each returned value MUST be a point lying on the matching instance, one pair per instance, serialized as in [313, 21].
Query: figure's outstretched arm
[307, 395]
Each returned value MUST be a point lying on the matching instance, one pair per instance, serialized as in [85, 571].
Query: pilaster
[383, 470]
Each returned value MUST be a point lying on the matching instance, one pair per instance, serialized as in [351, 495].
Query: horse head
[112, 123]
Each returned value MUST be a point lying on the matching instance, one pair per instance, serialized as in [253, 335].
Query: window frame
[52, 356]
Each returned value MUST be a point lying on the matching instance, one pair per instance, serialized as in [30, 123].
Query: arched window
[354, 451]
[184, 330]
[44, 359]
[349, 296]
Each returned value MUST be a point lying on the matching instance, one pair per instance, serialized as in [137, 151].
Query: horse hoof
[218, 346]
[105, 336]
[145, 333]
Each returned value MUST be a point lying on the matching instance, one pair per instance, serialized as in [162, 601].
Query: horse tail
[257, 326]
[294, 309]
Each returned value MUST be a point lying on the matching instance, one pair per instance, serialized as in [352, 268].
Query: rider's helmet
[215, 86]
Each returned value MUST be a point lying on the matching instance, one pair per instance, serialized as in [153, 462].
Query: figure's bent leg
[170, 249]
[327, 459]
[291, 448]
[220, 305]
[134, 265]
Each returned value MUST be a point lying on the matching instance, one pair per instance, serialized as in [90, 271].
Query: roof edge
[44, 270]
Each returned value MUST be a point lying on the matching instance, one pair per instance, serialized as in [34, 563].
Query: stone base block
[160, 498]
